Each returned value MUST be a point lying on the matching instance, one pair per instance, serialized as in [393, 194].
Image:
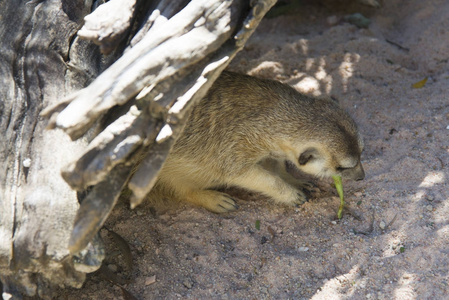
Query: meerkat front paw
[294, 197]
[214, 201]
[222, 203]
[307, 188]
[300, 199]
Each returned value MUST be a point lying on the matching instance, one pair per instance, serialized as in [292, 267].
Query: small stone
[139, 213]
[429, 207]
[303, 249]
[358, 20]
[334, 222]
[188, 283]
[382, 225]
[150, 280]
[430, 198]
[26, 163]
[368, 296]
[332, 20]
[112, 267]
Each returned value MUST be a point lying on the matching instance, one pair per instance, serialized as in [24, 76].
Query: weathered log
[37, 207]
[168, 65]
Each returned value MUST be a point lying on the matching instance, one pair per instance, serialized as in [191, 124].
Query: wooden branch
[113, 146]
[198, 30]
[165, 8]
[108, 24]
[193, 87]
[96, 207]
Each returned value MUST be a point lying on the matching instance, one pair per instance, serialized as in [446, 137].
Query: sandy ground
[392, 243]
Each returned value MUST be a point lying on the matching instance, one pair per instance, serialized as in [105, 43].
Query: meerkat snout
[357, 173]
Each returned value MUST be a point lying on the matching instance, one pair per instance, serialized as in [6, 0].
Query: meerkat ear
[308, 155]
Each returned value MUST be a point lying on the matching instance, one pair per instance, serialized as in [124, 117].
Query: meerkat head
[336, 150]
[321, 161]
[330, 145]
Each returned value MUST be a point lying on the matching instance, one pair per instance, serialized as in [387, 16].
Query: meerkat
[242, 122]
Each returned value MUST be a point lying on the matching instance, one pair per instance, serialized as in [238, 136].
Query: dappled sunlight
[295, 62]
[304, 45]
[346, 281]
[316, 76]
[322, 75]
[419, 195]
[310, 63]
[267, 67]
[393, 246]
[405, 287]
[346, 69]
[443, 232]
[432, 178]
[309, 85]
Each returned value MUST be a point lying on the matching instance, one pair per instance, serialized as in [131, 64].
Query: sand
[392, 242]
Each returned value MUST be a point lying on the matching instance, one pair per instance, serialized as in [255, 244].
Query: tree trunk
[129, 87]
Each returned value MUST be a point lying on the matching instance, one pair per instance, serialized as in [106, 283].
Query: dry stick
[96, 207]
[391, 222]
[166, 8]
[397, 45]
[108, 24]
[186, 32]
[145, 177]
[115, 145]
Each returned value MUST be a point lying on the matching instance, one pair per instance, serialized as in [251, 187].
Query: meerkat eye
[341, 169]
[308, 155]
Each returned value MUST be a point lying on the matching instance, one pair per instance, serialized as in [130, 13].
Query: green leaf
[339, 187]
[420, 83]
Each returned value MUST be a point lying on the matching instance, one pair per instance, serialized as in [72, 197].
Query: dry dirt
[392, 242]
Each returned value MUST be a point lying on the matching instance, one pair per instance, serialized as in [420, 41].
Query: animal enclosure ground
[392, 243]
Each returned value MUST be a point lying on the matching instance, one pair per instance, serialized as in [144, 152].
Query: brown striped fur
[243, 121]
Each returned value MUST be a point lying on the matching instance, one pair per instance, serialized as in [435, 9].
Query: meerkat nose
[360, 175]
